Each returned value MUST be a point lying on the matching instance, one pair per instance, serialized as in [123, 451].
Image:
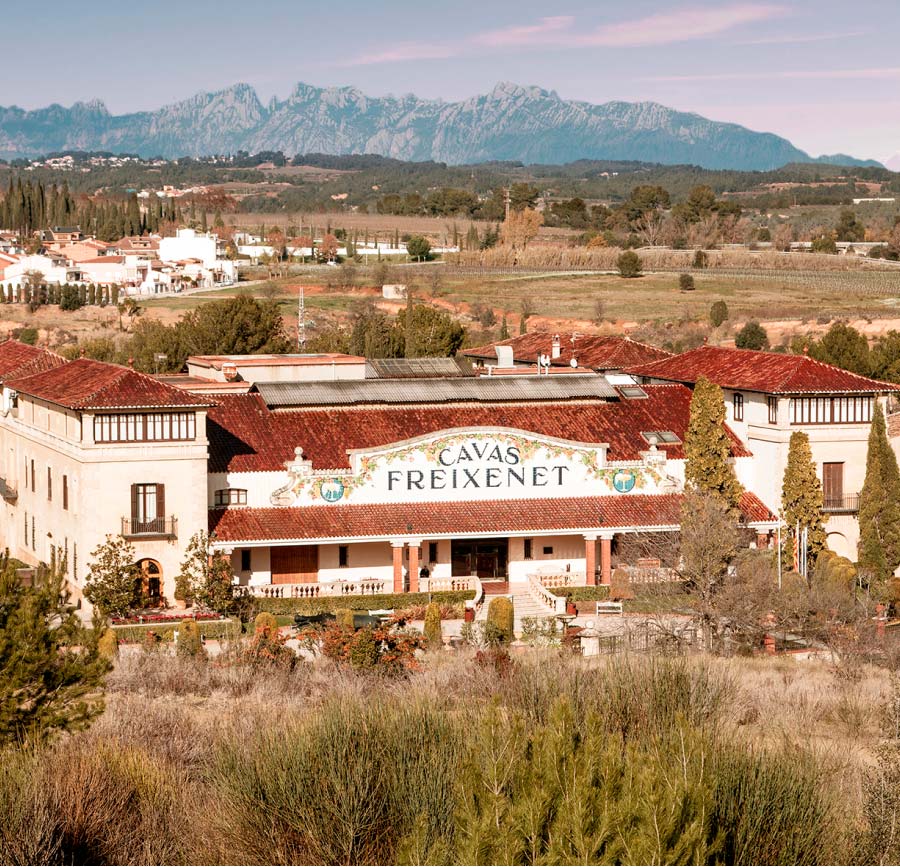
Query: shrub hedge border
[134, 633]
[582, 594]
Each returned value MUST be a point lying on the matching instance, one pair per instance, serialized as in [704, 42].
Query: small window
[432, 552]
[32, 476]
[343, 556]
[773, 409]
[231, 497]
[65, 493]
[245, 559]
[661, 437]
[49, 484]
[632, 392]
[738, 406]
[529, 549]
[548, 550]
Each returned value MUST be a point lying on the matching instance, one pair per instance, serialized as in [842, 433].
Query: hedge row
[212, 629]
[360, 603]
[582, 594]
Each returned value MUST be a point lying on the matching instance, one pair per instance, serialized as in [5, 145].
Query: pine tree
[801, 496]
[879, 506]
[707, 446]
[51, 671]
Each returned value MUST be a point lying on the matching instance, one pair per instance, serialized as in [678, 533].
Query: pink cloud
[404, 51]
[533, 34]
[561, 31]
[679, 25]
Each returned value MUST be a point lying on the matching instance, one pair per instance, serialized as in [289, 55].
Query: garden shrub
[265, 620]
[344, 618]
[502, 615]
[433, 627]
[108, 644]
[189, 643]
[268, 646]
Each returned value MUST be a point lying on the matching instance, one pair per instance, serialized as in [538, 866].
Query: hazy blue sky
[823, 73]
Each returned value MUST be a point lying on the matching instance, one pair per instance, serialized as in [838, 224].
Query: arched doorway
[839, 543]
[149, 582]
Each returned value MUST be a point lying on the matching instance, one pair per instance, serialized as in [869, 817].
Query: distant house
[65, 234]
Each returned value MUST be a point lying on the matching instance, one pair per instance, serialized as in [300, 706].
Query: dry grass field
[543, 759]
[650, 307]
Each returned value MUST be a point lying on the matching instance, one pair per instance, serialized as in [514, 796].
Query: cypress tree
[707, 446]
[879, 506]
[801, 495]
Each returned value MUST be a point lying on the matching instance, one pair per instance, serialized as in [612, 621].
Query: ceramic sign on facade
[482, 464]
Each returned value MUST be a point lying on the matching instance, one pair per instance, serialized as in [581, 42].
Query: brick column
[590, 558]
[397, 551]
[414, 567]
[605, 559]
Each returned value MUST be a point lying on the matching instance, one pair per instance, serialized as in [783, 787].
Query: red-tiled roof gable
[88, 384]
[245, 436]
[21, 359]
[590, 350]
[768, 372]
[485, 516]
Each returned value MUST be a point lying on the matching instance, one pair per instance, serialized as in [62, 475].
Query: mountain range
[512, 122]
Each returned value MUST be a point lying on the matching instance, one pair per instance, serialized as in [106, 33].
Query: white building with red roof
[768, 396]
[93, 449]
[336, 486]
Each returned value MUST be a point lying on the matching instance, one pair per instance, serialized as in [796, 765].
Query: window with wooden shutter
[160, 501]
[49, 484]
[65, 484]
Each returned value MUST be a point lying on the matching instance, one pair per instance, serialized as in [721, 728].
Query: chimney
[554, 348]
[229, 371]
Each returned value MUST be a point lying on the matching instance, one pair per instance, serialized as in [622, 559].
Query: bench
[609, 608]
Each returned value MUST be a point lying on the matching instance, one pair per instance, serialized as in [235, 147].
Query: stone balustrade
[437, 585]
[362, 587]
[562, 579]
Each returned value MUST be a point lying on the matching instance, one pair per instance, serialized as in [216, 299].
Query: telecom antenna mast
[301, 321]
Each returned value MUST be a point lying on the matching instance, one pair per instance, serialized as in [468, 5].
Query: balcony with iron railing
[150, 528]
[846, 504]
[8, 491]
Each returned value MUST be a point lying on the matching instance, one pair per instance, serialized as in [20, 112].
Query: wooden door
[833, 485]
[295, 564]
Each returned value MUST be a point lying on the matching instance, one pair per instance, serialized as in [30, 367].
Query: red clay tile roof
[245, 436]
[21, 359]
[591, 350]
[88, 384]
[435, 519]
[768, 372]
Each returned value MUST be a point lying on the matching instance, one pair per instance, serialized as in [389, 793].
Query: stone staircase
[524, 605]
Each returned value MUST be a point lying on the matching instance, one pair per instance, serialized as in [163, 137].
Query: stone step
[524, 605]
